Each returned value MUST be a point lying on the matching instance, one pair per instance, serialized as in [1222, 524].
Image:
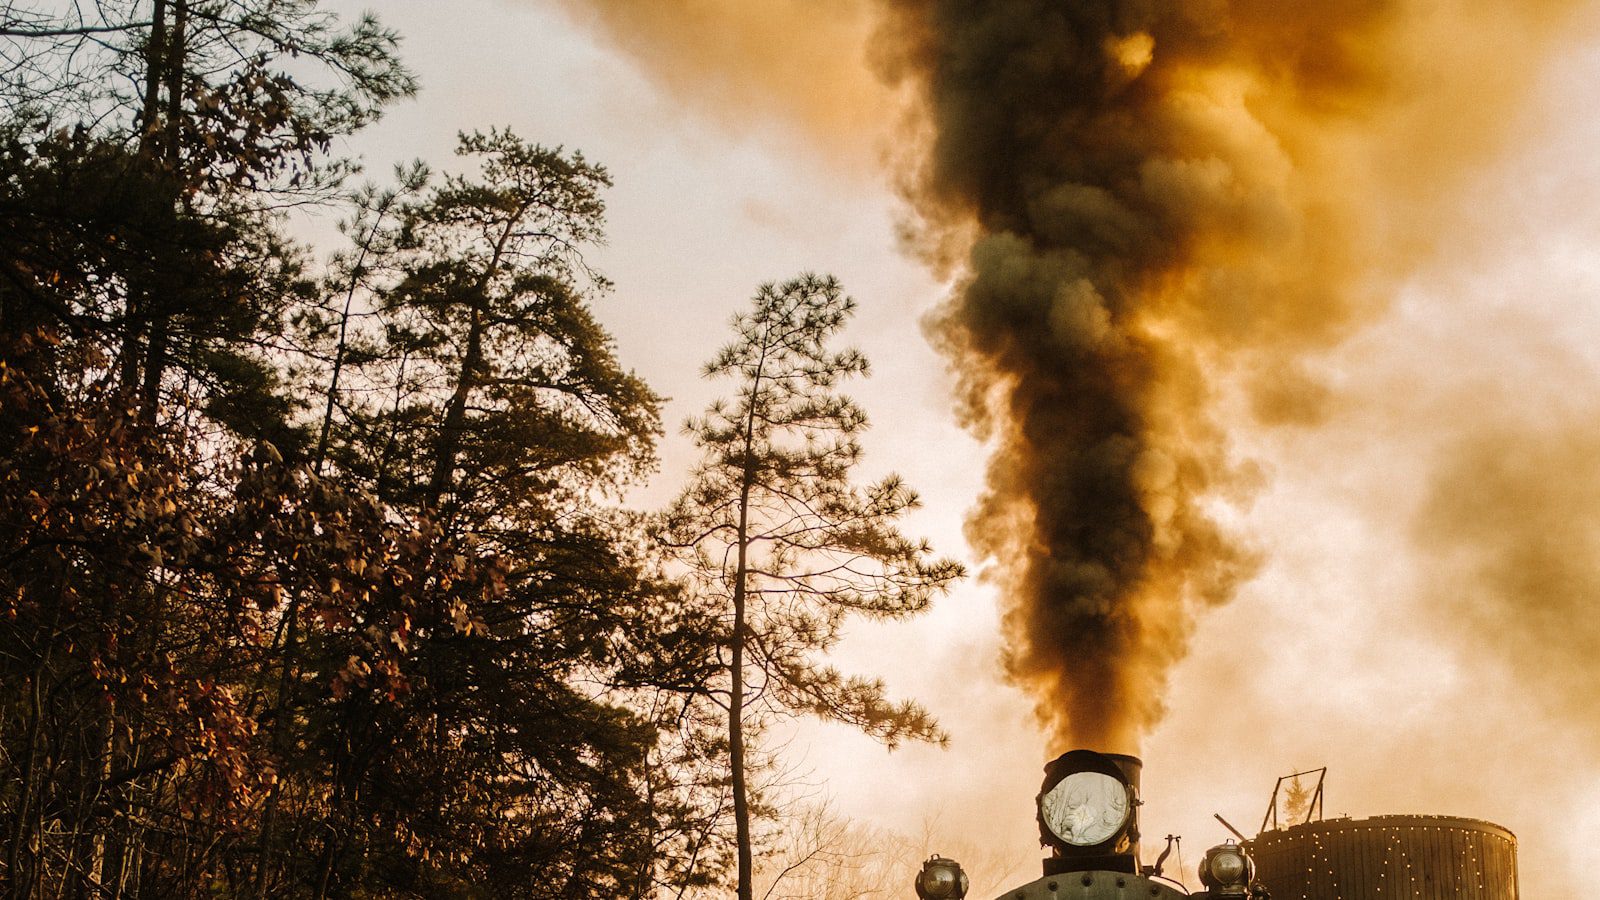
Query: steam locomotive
[1089, 818]
[1088, 812]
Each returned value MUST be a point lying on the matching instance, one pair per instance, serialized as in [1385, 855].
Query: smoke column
[1136, 177]
[1167, 204]
[1159, 213]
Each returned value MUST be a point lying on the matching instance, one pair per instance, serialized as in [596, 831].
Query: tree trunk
[20, 887]
[149, 120]
[155, 51]
[174, 58]
[741, 803]
[172, 63]
[326, 431]
[455, 413]
[736, 760]
[102, 824]
[281, 745]
[164, 69]
[455, 416]
[155, 366]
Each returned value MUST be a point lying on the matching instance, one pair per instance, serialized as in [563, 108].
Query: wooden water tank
[1398, 857]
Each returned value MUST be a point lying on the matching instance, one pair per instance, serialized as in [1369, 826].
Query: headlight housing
[1227, 870]
[941, 879]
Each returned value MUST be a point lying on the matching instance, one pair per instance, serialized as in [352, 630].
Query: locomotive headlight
[941, 879]
[1088, 809]
[1227, 870]
[1085, 808]
[1227, 867]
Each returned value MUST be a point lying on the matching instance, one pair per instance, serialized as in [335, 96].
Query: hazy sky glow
[1456, 473]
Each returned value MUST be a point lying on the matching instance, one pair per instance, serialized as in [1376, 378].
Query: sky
[1453, 474]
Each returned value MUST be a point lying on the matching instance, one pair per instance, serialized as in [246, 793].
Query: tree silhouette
[1296, 802]
[779, 539]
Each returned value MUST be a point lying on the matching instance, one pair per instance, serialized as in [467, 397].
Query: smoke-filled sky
[1277, 424]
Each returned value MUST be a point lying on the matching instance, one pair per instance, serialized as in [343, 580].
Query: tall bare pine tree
[777, 535]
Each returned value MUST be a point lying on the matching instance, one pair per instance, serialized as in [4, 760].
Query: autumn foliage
[309, 581]
[313, 577]
[147, 587]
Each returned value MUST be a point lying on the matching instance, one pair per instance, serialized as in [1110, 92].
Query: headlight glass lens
[1227, 868]
[1085, 808]
[938, 881]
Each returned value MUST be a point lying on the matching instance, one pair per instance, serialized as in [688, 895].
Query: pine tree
[784, 545]
[485, 398]
[1296, 802]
